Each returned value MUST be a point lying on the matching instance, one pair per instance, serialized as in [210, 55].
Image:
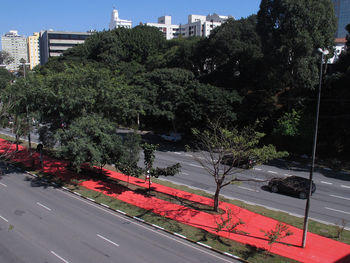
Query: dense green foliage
[262, 67]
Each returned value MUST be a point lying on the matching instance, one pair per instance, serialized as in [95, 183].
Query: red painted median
[318, 249]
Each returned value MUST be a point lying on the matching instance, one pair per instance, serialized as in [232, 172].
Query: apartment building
[197, 25]
[33, 50]
[16, 46]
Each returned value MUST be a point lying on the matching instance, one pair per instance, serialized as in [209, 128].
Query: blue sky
[28, 16]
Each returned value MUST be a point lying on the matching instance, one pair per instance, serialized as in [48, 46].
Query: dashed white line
[245, 188]
[3, 218]
[326, 182]
[3, 184]
[145, 227]
[177, 153]
[340, 211]
[106, 239]
[345, 186]
[43, 206]
[257, 169]
[188, 155]
[272, 172]
[61, 258]
[287, 175]
[185, 173]
[341, 197]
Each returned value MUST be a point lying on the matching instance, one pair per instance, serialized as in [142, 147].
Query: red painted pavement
[318, 249]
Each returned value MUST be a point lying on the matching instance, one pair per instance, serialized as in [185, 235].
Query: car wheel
[302, 195]
[274, 189]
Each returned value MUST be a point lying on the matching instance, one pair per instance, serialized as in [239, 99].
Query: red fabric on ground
[318, 249]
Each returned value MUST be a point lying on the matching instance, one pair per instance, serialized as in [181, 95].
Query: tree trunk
[216, 198]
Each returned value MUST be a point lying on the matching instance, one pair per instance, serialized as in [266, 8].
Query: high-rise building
[54, 43]
[16, 46]
[117, 22]
[33, 50]
[342, 12]
[197, 25]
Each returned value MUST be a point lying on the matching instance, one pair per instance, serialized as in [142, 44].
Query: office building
[54, 43]
[197, 25]
[342, 12]
[33, 50]
[117, 22]
[16, 46]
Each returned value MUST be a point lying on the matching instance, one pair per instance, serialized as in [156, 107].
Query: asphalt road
[39, 223]
[329, 204]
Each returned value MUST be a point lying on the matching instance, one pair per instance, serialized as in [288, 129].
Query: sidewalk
[318, 249]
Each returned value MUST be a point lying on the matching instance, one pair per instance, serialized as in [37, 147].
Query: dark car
[293, 185]
[245, 163]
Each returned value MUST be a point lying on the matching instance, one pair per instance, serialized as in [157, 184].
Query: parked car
[245, 163]
[172, 137]
[293, 185]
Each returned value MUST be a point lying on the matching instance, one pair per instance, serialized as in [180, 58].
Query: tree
[5, 58]
[217, 142]
[5, 78]
[130, 155]
[175, 100]
[291, 31]
[89, 139]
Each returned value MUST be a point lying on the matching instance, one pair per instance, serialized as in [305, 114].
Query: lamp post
[323, 52]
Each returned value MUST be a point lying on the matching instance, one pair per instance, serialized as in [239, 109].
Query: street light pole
[307, 208]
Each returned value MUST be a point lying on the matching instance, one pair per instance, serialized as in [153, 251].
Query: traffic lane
[148, 248]
[15, 247]
[49, 230]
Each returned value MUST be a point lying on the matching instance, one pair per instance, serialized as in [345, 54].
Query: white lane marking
[3, 218]
[185, 173]
[195, 165]
[201, 158]
[188, 155]
[337, 196]
[245, 188]
[145, 227]
[325, 182]
[287, 175]
[177, 153]
[340, 211]
[61, 258]
[3, 184]
[345, 186]
[257, 169]
[108, 240]
[43, 206]
[272, 172]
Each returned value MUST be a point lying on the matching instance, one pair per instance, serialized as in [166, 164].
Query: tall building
[164, 25]
[197, 25]
[54, 43]
[342, 12]
[33, 50]
[117, 22]
[16, 46]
